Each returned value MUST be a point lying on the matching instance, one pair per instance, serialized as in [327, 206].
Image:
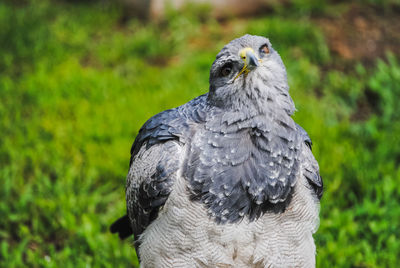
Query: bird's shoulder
[155, 160]
[173, 124]
[310, 167]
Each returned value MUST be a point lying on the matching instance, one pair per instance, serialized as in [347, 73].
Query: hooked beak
[250, 60]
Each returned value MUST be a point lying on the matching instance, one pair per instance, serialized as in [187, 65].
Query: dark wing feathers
[310, 165]
[150, 182]
[236, 167]
[149, 179]
[122, 226]
[316, 182]
[173, 124]
[152, 191]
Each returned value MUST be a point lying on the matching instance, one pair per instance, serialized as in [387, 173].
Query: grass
[76, 84]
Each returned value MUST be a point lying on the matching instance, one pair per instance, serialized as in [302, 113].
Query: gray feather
[310, 165]
[238, 149]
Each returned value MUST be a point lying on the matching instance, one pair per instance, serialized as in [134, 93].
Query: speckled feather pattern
[184, 236]
[227, 179]
[243, 167]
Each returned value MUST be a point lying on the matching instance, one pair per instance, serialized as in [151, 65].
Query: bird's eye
[226, 69]
[264, 49]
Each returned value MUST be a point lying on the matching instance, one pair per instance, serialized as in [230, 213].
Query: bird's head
[247, 71]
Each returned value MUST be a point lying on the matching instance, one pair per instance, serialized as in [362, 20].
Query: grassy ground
[77, 82]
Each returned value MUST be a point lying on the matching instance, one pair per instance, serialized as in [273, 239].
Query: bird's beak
[250, 60]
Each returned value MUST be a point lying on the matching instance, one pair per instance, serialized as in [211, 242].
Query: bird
[227, 179]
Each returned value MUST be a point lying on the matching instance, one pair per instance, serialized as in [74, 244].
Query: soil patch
[363, 33]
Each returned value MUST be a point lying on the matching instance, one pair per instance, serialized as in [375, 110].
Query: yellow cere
[243, 55]
[243, 52]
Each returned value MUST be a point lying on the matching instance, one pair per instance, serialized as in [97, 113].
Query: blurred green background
[78, 79]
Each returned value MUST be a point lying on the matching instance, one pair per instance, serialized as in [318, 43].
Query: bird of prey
[227, 179]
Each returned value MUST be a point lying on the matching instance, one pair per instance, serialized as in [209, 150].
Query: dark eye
[264, 49]
[226, 69]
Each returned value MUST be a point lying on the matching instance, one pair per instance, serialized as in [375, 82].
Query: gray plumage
[233, 162]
